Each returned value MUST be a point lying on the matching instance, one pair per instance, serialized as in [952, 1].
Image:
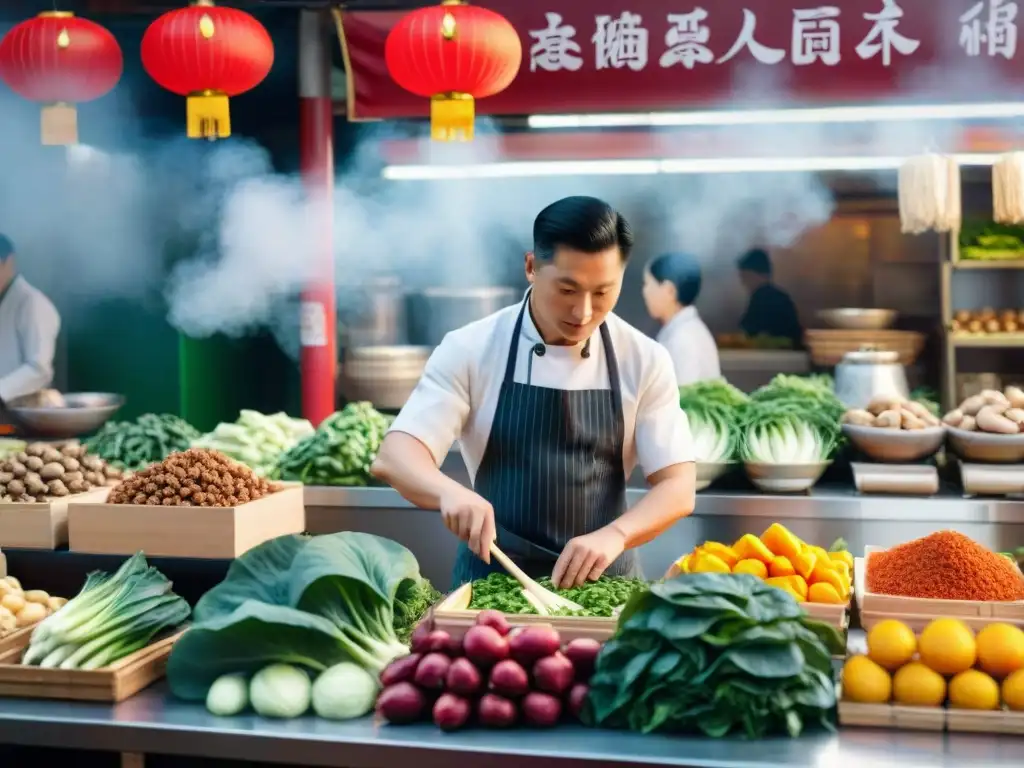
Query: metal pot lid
[871, 355]
[396, 352]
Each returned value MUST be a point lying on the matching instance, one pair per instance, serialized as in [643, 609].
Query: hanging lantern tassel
[208, 115]
[451, 117]
[929, 194]
[59, 125]
[1008, 188]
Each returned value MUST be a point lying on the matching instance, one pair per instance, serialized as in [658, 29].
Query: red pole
[316, 153]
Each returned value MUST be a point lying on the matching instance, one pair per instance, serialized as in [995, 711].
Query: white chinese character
[816, 36]
[686, 40]
[621, 42]
[883, 36]
[998, 32]
[556, 47]
[762, 53]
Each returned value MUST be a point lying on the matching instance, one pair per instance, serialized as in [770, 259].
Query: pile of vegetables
[501, 592]
[989, 241]
[135, 444]
[341, 450]
[715, 654]
[255, 439]
[892, 413]
[495, 676]
[44, 471]
[713, 409]
[791, 420]
[112, 617]
[992, 411]
[308, 602]
[783, 560]
[20, 608]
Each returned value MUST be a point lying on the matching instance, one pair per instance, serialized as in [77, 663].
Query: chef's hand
[586, 557]
[470, 517]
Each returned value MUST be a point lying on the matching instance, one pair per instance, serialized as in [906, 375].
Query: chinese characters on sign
[987, 27]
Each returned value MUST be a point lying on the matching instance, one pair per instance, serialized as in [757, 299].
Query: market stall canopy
[647, 55]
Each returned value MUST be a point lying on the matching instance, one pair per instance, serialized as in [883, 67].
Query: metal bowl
[853, 319]
[785, 478]
[709, 471]
[83, 412]
[895, 445]
[986, 446]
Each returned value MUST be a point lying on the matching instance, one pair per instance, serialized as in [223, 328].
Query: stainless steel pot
[869, 373]
[436, 311]
[384, 375]
[375, 314]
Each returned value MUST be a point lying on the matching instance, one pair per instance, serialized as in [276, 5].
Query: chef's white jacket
[691, 346]
[458, 394]
[29, 325]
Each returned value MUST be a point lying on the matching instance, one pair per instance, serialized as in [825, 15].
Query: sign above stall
[664, 55]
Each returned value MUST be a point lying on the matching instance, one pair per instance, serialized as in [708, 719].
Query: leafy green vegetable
[500, 592]
[787, 401]
[309, 602]
[255, 439]
[711, 391]
[412, 606]
[714, 653]
[137, 444]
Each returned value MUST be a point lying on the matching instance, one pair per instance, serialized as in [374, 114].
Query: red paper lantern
[207, 54]
[453, 53]
[60, 60]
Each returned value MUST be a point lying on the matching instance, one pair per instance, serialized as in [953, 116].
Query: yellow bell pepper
[819, 553]
[823, 573]
[722, 551]
[823, 592]
[803, 563]
[787, 584]
[781, 541]
[705, 562]
[683, 563]
[844, 557]
[749, 547]
[841, 568]
[780, 566]
[753, 567]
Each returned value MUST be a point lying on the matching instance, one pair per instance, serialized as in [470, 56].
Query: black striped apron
[552, 469]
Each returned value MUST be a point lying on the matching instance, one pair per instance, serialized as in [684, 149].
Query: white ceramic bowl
[785, 478]
[986, 446]
[852, 319]
[895, 445]
[709, 471]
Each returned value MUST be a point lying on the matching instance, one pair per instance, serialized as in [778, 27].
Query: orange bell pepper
[804, 564]
[782, 542]
[786, 584]
[723, 552]
[780, 566]
[749, 547]
[751, 566]
[823, 592]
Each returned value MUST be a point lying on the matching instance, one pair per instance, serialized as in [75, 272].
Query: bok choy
[785, 438]
[112, 617]
[713, 428]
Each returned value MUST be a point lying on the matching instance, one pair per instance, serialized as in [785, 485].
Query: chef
[770, 312]
[671, 286]
[554, 400]
[29, 325]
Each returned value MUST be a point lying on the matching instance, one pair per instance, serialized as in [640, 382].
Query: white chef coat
[691, 346]
[29, 325]
[457, 396]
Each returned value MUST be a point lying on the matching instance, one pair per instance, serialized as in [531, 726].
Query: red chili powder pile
[947, 566]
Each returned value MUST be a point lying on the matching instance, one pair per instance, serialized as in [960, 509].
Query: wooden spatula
[543, 598]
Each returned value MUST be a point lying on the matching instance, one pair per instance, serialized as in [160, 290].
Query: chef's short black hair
[680, 269]
[6, 248]
[583, 224]
[756, 261]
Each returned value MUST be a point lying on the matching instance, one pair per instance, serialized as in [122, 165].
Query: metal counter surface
[153, 723]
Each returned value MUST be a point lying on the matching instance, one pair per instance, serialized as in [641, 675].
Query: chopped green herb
[501, 592]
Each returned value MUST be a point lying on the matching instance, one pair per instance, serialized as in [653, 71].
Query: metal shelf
[990, 340]
[996, 264]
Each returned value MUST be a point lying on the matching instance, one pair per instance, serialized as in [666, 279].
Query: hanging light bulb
[929, 194]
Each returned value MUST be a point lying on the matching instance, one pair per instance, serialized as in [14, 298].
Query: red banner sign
[653, 55]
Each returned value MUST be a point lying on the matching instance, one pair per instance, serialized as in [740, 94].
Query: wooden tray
[42, 525]
[202, 532]
[119, 681]
[930, 718]
[16, 639]
[454, 617]
[918, 612]
[836, 615]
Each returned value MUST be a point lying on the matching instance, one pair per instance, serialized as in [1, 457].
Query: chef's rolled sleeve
[436, 412]
[662, 430]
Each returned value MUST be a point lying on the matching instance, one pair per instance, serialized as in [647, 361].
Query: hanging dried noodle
[1008, 188]
[929, 194]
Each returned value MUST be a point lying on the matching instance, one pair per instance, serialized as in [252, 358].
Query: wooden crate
[119, 681]
[201, 532]
[15, 639]
[42, 525]
[454, 617]
[836, 615]
[905, 718]
[918, 612]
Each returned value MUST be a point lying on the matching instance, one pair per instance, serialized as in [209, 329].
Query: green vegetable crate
[454, 616]
[41, 525]
[201, 532]
[121, 680]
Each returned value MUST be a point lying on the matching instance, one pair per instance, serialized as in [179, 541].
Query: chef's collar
[7, 288]
[684, 315]
[532, 335]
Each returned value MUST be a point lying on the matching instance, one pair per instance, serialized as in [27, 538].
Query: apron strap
[613, 370]
[513, 348]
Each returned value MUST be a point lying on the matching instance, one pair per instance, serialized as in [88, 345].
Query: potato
[5, 588]
[13, 602]
[5, 611]
[889, 419]
[880, 405]
[953, 418]
[56, 603]
[969, 424]
[8, 623]
[975, 326]
[14, 583]
[972, 405]
[859, 418]
[962, 316]
[909, 420]
[993, 326]
[36, 596]
[993, 397]
[991, 419]
[1015, 396]
[31, 614]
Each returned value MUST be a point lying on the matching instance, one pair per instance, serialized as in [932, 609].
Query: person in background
[554, 400]
[770, 312]
[29, 325]
[671, 286]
